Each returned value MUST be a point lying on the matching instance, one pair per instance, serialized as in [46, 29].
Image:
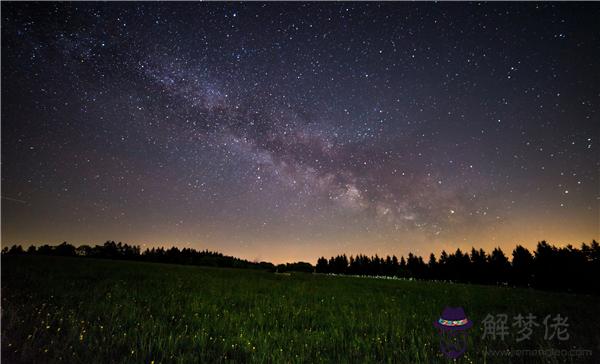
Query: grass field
[100, 311]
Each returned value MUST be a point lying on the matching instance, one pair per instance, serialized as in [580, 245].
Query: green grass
[100, 311]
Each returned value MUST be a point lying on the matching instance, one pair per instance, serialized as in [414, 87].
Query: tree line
[173, 255]
[547, 267]
[112, 250]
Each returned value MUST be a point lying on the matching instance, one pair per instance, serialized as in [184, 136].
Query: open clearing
[101, 311]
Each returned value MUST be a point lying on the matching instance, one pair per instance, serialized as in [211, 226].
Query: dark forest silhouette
[548, 267]
[112, 250]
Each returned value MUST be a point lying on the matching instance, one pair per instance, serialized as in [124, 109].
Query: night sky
[287, 131]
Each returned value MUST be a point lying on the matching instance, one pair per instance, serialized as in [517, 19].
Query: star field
[286, 131]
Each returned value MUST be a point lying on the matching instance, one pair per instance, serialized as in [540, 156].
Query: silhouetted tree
[295, 267]
[322, 266]
[395, 266]
[546, 263]
[522, 267]
[499, 266]
[65, 249]
[16, 249]
[432, 267]
[479, 271]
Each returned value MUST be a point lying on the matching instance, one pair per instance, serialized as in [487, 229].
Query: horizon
[425, 256]
[285, 132]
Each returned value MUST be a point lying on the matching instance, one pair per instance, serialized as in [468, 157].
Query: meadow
[59, 309]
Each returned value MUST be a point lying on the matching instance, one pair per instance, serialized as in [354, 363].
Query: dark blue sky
[287, 131]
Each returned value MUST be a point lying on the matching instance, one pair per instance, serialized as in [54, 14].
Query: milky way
[289, 131]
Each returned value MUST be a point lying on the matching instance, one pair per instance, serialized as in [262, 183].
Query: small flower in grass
[80, 337]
